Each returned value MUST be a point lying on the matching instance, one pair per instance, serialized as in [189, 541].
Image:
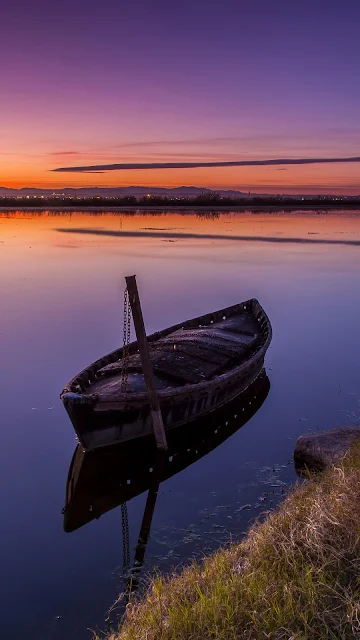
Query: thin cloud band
[194, 165]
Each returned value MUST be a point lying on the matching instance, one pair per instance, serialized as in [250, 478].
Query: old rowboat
[199, 365]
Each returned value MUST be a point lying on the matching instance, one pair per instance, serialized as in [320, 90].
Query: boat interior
[188, 355]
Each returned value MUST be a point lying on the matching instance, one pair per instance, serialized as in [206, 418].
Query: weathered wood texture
[188, 356]
[147, 369]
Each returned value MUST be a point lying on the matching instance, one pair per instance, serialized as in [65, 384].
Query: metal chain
[126, 341]
[125, 535]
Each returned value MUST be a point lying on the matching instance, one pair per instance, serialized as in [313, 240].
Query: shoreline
[189, 209]
[295, 575]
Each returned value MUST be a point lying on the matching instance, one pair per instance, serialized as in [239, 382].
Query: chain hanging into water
[126, 342]
[125, 535]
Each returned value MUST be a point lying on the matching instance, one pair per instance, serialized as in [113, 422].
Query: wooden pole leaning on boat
[143, 346]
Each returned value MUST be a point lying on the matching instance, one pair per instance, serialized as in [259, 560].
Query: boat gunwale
[140, 398]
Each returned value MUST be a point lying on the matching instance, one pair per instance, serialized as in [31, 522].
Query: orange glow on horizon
[265, 179]
[19, 171]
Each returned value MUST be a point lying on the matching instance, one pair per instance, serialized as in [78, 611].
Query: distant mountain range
[177, 192]
[139, 192]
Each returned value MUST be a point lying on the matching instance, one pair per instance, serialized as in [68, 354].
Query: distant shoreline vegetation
[203, 200]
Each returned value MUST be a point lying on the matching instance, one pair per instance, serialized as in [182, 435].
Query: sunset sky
[91, 83]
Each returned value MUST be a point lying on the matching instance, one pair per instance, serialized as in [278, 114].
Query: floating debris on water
[244, 507]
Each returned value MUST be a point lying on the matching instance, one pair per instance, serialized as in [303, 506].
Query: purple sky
[85, 83]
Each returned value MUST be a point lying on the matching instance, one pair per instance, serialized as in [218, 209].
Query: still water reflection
[61, 309]
[106, 478]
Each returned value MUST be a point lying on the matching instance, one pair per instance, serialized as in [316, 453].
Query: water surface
[62, 278]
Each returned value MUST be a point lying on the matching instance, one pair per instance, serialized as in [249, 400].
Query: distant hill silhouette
[138, 192]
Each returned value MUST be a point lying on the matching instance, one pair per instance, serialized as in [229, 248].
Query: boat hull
[99, 423]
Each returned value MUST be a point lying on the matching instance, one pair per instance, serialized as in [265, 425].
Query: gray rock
[317, 451]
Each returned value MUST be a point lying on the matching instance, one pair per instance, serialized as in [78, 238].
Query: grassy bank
[296, 575]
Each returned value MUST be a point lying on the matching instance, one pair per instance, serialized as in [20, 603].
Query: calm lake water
[62, 280]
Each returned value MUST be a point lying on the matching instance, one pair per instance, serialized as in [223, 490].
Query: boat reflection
[104, 479]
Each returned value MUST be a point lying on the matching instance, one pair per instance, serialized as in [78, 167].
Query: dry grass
[296, 576]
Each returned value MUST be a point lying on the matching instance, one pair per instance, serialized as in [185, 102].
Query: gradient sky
[114, 81]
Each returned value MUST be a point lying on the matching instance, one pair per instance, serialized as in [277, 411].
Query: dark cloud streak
[194, 165]
[64, 153]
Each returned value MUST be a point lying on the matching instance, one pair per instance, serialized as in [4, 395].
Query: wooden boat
[199, 365]
[99, 481]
